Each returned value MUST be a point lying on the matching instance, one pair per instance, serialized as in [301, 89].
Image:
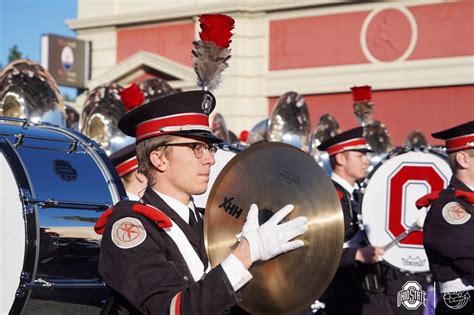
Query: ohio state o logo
[398, 183]
[388, 204]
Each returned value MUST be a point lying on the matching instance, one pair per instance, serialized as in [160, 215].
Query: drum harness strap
[352, 207]
[369, 277]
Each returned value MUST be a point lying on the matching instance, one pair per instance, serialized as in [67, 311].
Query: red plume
[132, 97]
[361, 93]
[244, 136]
[216, 28]
[211, 53]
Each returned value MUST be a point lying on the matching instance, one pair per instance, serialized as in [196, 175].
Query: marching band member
[449, 225]
[126, 164]
[153, 256]
[349, 162]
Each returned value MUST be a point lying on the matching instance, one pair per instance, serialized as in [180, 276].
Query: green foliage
[14, 54]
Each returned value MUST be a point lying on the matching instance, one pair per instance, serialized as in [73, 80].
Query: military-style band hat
[350, 140]
[183, 114]
[125, 160]
[457, 138]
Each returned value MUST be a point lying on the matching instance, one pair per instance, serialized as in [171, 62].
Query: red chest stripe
[428, 199]
[148, 211]
[153, 214]
[468, 196]
[102, 221]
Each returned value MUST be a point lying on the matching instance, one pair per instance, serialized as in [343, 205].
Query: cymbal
[272, 175]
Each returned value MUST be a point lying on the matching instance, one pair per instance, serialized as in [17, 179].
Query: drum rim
[30, 260]
[401, 150]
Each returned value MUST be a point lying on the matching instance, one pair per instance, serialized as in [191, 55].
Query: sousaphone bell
[27, 90]
[290, 121]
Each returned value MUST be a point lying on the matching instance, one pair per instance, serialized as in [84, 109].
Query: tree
[14, 54]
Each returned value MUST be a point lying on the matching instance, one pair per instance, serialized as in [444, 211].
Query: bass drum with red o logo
[390, 217]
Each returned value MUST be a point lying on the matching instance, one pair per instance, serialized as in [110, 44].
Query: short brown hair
[332, 161]
[144, 149]
[452, 159]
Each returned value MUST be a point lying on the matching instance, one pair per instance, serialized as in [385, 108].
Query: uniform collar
[341, 181]
[457, 184]
[180, 208]
[132, 197]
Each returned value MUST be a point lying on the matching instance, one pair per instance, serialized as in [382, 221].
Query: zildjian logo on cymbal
[232, 209]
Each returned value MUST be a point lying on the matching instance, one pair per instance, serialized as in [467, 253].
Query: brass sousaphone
[272, 175]
[103, 109]
[27, 90]
[290, 122]
[101, 112]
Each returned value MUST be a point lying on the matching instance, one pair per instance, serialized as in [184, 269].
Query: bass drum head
[388, 204]
[222, 157]
[12, 236]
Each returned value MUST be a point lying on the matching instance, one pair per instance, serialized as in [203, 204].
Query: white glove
[316, 306]
[272, 239]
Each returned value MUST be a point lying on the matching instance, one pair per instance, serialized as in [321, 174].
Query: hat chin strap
[185, 128]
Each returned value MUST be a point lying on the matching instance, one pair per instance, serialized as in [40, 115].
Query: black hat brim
[363, 150]
[204, 135]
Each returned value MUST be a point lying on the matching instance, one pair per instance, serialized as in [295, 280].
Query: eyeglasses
[197, 147]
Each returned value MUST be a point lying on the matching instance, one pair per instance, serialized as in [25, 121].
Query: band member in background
[153, 255]
[357, 286]
[449, 225]
[126, 164]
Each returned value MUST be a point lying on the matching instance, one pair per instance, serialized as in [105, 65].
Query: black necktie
[355, 200]
[193, 223]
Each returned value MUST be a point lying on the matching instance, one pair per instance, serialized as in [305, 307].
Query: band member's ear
[158, 160]
[462, 159]
[340, 158]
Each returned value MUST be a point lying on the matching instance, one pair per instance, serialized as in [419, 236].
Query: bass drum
[54, 184]
[388, 203]
[222, 157]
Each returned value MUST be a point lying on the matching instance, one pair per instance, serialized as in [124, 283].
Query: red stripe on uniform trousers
[175, 305]
[178, 304]
[152, 127]
[153, 214]
[342, 146]
[460, 143]
[128, 166]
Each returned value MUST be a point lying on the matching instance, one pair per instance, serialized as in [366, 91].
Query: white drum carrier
[388, 204]
[54, 185]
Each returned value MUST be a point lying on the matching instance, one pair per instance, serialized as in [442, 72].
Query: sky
[22, 22]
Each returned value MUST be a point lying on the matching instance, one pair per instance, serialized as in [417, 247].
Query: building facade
[417, 55]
